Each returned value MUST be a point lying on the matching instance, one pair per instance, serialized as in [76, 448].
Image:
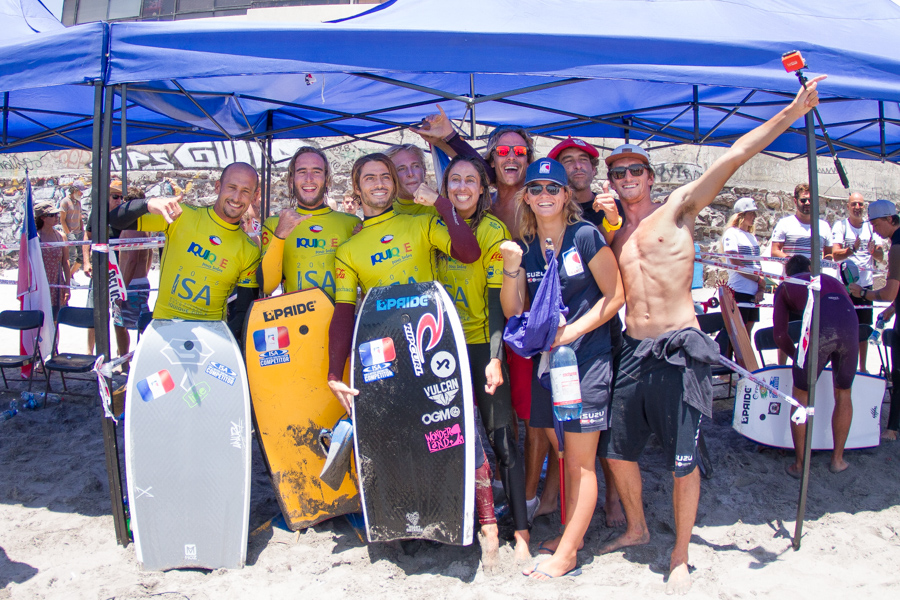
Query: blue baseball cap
[882, 208]
[546, 169]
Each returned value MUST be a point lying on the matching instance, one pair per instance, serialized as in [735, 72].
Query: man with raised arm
[206, 254]
[411, 240]
[663, 384]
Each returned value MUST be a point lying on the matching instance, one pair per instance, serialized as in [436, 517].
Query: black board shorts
[596, 378]
[748, 315]
[648, 399]
[864, 315]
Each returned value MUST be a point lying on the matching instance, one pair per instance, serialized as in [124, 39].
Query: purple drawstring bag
[533, 332]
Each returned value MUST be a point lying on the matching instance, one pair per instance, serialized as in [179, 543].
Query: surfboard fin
[340, 445]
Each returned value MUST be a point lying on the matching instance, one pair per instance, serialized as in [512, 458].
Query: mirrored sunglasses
[619, 172]
[517, 150]
[535, 189]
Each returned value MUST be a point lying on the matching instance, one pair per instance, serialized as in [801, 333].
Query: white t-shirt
[742, 242]
[796, 237]
[845, 234]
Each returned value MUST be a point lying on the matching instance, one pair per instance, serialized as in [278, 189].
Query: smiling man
[206, 254]
[390, 248]
[299, 245]
[409, 160]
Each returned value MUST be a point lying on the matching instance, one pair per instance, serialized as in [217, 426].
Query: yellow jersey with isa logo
[305, 259]
[203, 260]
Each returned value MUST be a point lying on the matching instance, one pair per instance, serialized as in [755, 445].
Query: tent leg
[102, 138]
[123, 146]
[812, 355]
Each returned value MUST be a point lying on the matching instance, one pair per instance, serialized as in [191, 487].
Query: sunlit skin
[376, 188]
[309, 180]
[580, 171]
[464, 189]
[510, 169]
[411, 172]
[237, 190]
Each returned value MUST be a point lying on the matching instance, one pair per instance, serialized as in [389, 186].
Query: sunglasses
[116, 197]
[517, 150]
[619, 172]
[806, 200]
[536, 189]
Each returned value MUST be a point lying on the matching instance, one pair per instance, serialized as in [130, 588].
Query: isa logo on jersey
[158, 384]
[316, 228]
[272, 338]
[215, 240]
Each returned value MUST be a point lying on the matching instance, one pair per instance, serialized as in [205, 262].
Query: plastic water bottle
[33, 401]
[9, 413]
[875, 338]
[565, 384]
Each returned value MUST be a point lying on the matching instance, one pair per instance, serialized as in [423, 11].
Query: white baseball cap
[745, 205]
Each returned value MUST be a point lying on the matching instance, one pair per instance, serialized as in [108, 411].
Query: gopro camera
[793, 61]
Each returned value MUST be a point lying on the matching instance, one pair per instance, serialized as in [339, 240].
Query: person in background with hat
[664, 381]
[72, 222]
[885, 222]
[591, 288]
[56, 263]
[115, 199]
[739, 239]
[854, 240]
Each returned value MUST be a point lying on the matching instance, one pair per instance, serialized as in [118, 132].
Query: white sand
[57, 538]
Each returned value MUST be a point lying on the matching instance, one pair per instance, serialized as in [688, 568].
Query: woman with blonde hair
[739, 238]
[591, 289]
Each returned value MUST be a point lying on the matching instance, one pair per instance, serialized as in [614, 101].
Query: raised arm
[437, 130]
[690, 199]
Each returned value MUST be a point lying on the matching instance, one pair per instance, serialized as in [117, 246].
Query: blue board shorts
[596, 379]
[126, 313]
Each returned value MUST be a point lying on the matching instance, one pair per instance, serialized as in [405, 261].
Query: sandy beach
[58, 541]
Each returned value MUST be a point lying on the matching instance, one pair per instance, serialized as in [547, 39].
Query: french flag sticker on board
[273, 338]
[377, 352]
[158, 384]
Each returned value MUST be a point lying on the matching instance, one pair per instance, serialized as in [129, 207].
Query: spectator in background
[855, 240]
[350, 205]
[72, 222]
[739, 238]
[56, 263]
[134, 266]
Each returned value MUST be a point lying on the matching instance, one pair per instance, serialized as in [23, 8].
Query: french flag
[377, 352]
[158, 384]
[273, 338]
[33, 289]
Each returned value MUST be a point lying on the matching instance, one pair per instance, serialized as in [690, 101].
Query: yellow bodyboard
[286, 350]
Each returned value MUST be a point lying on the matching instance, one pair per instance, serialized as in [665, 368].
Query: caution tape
[104, 370]
[799, 416]
[115, 244]
[748, 271]
[824, 263]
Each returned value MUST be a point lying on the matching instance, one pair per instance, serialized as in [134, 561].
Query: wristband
[863, 294]
[609, 227]
[511, 275]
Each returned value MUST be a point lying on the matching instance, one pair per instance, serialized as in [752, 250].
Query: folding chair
[82, 318]
[23, 320]
[884, 355]
[764, 338]
[711, 324]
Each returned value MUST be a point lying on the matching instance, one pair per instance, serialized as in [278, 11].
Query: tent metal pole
[696, 105]
[666, 125]
[880, 127]
[203, 110]
[123, 145]
[57, 131]
[5, 116]
[101, 320]
[728, 116]
[812, 355]
[472, 106]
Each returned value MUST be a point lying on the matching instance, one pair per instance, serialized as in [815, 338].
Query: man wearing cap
[72, 222]
[115, 199]
[664, 382]
[885, 222]
[854, 240]
[581, 160]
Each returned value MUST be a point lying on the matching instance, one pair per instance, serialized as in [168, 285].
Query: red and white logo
[544, 168]
[387, 239]
[215, 240]
[315, 228]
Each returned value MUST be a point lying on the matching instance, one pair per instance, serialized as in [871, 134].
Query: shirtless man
[655, 250]
[72, 222]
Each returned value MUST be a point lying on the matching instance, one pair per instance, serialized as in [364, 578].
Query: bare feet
[837, 467]
[627, 539]
[679, 580]
[547, 506]
[489, 539]
[550, 546]
[522, 553]
[889, 435]
[615, 516]
[552, 567]
[793, 470]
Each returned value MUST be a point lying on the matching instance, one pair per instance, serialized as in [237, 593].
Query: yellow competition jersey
[390, 249]
[468, 284]
[306, 257]
[203, 260]
[408, 207]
